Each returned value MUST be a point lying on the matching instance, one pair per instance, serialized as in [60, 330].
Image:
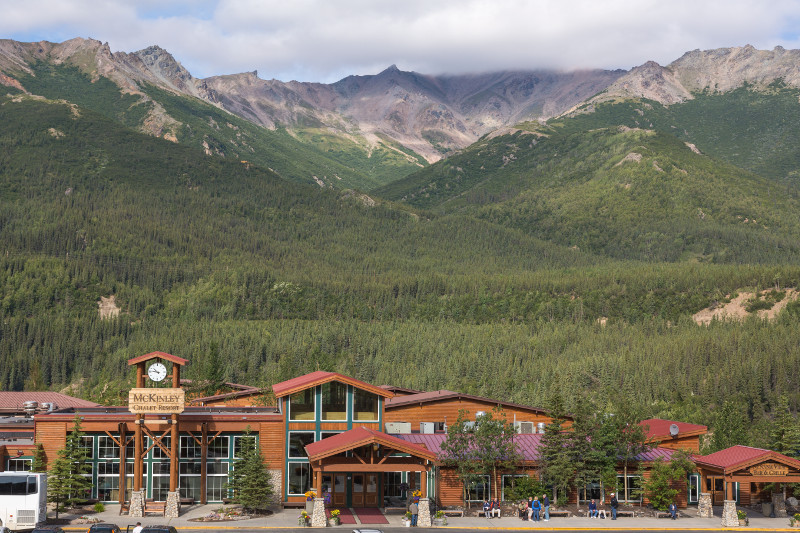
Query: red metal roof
[361, 436]
[319, 377]
[438, 395]
[158, 355]
[658, 428]
[12, 401]
[734, 455]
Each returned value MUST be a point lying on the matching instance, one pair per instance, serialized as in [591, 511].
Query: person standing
[614, 504]
[546, 505]
[537, 506]
[414, 508]
[530, 508]
[138, 528]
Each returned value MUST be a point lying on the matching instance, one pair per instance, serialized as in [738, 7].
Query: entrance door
[358, 490]
[339, 496]
[371, 491]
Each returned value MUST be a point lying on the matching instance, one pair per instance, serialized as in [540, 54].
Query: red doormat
[370, 515]
[345, 516]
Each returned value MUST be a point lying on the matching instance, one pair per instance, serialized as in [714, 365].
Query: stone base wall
[173, 506]
[424, 517]
[779, 505]
[729, 516]
[136, 509]
[704, 508]
[318, 518]
[276, 476]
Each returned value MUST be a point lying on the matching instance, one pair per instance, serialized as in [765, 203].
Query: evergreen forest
[562, 259]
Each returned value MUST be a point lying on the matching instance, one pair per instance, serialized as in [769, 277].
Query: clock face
[157, 372]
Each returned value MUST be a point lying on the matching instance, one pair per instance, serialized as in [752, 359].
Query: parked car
[4, 529]
[159, 529]
[48, 529]
[104, 528]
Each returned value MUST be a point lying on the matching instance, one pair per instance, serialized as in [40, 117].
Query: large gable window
[301, 405]
[365, 405]
[334, 401]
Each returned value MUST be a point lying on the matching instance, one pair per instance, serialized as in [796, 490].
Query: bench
[626, 514]
[393, 510]
[664, 514]
[561, 514]
[124, 508]
[453, 512]
[155, 508]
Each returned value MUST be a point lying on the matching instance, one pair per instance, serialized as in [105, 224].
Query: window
[365, 405]
[217, 476]
[189, 448]
[694, 488]
[634, 482]
[478, 490]
[87, 445]
[591, 491]
[302, 405]
[157, 452]
[334, 401]
[108, 481]
[189, 474]
[237, 444]
[160, 480]
[439, 427]
[508, 482]
[107, 448]
[298, 441]
[299, 478]
[326, 434]
[218, 448]
[19, 465]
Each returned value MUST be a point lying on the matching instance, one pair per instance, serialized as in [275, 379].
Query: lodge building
[354, 443]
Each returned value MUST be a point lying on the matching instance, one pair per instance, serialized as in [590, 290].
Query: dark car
[159, 529]
[48, 529]
[104, 528]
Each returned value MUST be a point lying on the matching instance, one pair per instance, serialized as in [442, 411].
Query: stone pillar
[136, 509]
[729, 516]
[173, 507]
[318, 518]
[424, 517]
[704, 508]
[779, 505]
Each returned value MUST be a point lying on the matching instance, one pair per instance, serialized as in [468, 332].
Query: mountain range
[570, 223]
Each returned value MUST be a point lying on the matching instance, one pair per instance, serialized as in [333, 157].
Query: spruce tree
[66, 481]
[249, 482]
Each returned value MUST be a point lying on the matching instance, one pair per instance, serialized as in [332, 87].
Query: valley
[407, 229]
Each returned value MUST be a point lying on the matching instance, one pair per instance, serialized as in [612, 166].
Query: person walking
[546, 505]
[614, 503]
[537, 506]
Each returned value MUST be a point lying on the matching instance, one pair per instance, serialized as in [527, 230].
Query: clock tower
[147, 401]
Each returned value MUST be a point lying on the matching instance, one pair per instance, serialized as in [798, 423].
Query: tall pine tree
[67, 480]
[249, 482]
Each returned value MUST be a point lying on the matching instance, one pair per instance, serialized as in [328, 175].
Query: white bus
[23, 499]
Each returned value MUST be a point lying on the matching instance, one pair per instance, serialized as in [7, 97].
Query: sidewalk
[287, 518]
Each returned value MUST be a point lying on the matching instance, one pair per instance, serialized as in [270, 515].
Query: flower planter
[406, 523]
[742, 523]
[310, 507]
[333, 521]
[438, 521]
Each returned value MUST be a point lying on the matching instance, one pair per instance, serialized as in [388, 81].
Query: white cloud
[323, 40]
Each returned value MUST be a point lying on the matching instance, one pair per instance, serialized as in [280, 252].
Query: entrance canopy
[745, 464]
[367, 450]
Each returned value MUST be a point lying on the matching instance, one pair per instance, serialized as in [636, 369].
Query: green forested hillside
[538, 270]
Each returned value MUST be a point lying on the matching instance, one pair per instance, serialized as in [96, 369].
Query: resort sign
[156, 401]
[769, 469]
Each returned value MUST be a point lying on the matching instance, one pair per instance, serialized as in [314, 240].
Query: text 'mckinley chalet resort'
[354, 443]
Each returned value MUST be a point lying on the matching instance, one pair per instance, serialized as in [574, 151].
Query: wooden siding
[691, 443]
[446, 410]
[52, 436]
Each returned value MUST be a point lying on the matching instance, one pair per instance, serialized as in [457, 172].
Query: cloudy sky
[325, 40]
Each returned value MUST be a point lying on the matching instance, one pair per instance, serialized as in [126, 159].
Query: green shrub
[99, 507]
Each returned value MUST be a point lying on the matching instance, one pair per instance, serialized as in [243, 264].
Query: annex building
[356, 444]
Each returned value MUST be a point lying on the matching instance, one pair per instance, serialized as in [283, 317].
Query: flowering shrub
[310, 495]
[335, 513]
